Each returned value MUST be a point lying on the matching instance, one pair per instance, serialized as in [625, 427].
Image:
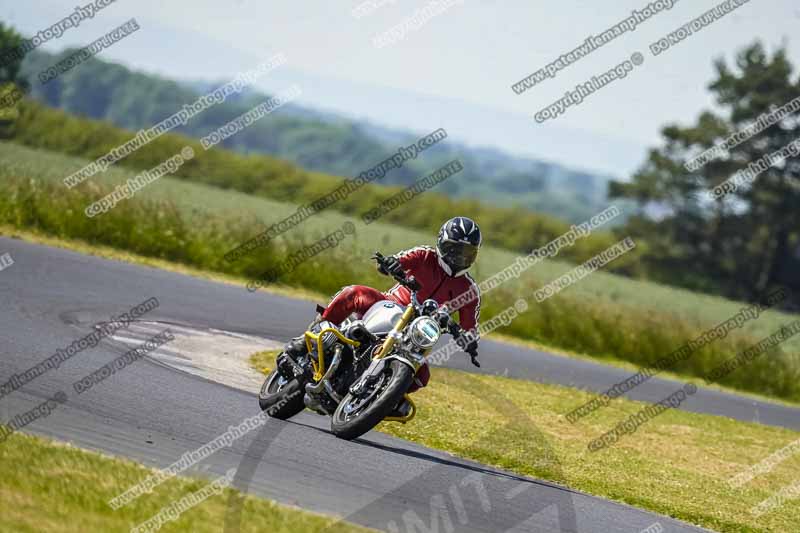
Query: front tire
[280, 398]
[352, 419]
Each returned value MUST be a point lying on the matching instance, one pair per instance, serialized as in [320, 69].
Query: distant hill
[317, 140]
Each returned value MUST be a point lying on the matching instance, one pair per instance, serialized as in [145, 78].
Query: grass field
[49, 486]
[677, 464]
[602, 316]
[197, 200]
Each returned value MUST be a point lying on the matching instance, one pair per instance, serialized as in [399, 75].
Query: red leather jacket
[422, 262]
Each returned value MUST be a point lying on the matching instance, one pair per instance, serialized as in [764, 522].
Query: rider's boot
[296, 347]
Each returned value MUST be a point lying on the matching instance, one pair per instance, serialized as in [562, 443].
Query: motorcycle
[358, 372]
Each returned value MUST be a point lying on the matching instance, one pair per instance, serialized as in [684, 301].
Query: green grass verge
[614, 361]
[677, 464]
[603, 316]
[49, 486]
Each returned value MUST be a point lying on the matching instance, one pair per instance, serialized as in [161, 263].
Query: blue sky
[455, 71]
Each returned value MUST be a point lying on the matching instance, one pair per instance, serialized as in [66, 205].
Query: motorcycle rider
[442, 272]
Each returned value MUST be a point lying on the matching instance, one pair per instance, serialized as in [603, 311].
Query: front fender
[376, 367]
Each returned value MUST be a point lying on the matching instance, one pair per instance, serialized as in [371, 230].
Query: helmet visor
[458, 255]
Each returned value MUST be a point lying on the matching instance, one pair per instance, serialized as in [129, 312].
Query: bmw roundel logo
[388, 304]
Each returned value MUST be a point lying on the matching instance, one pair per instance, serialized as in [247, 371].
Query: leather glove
[471, 348]
[391, 267]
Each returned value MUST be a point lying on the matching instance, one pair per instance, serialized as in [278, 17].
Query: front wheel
[356, 415]
[281, 398]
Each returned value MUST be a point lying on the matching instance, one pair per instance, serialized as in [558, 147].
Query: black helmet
[457, 245]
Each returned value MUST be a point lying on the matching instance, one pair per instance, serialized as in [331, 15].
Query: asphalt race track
[153, 412]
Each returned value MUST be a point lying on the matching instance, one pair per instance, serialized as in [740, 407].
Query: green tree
[744, 242]
[9, 67]
[11, 82]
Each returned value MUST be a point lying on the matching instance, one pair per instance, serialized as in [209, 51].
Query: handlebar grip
[381, 260]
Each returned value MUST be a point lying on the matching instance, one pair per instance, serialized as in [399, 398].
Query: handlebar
[453, 328]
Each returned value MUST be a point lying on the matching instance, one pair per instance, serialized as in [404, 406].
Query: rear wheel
[279, 397]
[356, 415]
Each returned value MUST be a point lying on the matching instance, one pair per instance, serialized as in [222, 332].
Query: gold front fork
[386, 349]
[388, 344]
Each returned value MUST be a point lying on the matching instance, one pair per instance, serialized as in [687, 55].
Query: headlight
[424, 332]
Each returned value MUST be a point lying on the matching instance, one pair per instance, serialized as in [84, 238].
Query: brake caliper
[370, 376]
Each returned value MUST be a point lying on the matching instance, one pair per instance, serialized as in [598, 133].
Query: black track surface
[153, 413]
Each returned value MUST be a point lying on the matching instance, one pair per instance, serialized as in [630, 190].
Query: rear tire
[280, 398]
[348, 427]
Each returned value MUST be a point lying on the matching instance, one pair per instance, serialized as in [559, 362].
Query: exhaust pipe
[316, 388]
